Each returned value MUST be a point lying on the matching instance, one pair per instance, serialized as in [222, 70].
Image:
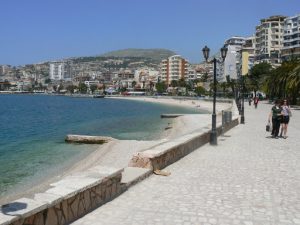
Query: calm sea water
[33, 128]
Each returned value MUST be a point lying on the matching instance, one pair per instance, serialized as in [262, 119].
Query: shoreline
[118, 153]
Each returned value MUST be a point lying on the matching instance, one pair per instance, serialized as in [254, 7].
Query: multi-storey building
[174, 68]
[246, 56]
[4, 69]
[234, 45]
[269, 40]
[291, 37]
[60, 71]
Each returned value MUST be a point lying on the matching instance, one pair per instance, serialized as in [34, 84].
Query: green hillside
[154, 54]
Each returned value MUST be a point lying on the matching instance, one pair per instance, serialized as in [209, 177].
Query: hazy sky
[32, 31]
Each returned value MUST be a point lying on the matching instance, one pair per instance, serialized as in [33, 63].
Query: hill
[154, 54]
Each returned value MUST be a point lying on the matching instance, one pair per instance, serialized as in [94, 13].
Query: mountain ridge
[156, 54]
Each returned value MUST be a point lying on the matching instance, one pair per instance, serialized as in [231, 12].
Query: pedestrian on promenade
[286, 113]
[276, 116]
[250, 100]
[255, 101]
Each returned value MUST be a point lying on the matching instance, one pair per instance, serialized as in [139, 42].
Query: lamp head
[205, 51]
[224, 52]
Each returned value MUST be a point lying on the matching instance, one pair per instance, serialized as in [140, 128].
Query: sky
[33, 31]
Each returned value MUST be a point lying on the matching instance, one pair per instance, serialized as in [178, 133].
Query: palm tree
[293, 84]
[279, 82]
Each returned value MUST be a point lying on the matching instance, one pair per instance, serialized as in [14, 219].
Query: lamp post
[205, 50]
[242, 105]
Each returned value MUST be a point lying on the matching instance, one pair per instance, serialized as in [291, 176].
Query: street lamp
[205, 50]
[242, 94]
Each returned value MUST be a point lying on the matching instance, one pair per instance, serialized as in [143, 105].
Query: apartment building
[246, 56]
[269, 40]
[60, 71]
[174, 68]
[291, 37]
[231, 62]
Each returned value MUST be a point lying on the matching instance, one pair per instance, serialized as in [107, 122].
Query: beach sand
[118, 153]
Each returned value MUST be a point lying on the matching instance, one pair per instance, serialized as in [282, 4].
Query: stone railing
[67, 200]
[171, 151]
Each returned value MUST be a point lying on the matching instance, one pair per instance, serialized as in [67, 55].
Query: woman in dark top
[276, 116]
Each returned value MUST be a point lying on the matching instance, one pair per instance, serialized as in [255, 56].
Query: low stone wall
[170, 152]
[67, 200]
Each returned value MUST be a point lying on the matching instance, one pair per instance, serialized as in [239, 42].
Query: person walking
[275, 115]
[249, 100]
[286, 113]
[255, 101]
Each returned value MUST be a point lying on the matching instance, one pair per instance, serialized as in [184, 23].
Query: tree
[256, 75]
[174, 83]
[47, 81]
[200, 90]
[82, 88]
[161, 87]
[293, 83]
[181, 82]
[93, 87]
[71, 88]
[282, 81]
[223, 86]
[133, 84]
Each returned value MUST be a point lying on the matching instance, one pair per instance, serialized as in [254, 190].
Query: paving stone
[248, 178]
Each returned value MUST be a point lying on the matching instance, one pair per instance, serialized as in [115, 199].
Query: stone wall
[168, 153]
[68, 200]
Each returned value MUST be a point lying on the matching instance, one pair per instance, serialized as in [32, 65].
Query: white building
[269, 40]
[291, 37]
[234, 45]
[60, 71]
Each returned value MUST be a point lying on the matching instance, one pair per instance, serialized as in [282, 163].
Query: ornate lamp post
[205, 50]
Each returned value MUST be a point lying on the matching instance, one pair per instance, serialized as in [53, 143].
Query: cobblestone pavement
[247, 179]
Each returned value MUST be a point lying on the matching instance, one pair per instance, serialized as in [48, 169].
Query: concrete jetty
[170, 115]
[84, 139]
[248, 178]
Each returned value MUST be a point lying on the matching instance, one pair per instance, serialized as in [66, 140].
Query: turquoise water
[33, 128]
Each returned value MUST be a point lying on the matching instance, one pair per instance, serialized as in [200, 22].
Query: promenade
[248, 178]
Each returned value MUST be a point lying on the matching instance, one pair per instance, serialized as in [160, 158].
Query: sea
[33, 129]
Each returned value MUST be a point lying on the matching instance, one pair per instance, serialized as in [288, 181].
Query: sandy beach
[118, 153]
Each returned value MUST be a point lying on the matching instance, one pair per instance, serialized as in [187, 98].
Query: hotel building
[269, 40]
[291, 37]
[174, 68]
[60, 71]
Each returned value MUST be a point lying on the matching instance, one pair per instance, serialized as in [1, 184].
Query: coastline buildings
[269, 40]
[174, 68]
[291, 37]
